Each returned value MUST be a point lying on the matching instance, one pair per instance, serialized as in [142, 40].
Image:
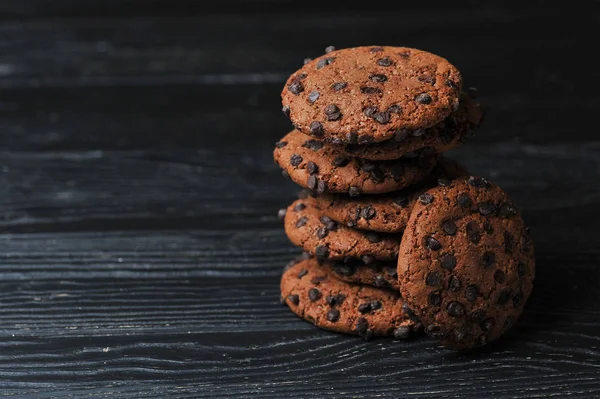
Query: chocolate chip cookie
[376, 274]
[441, 137]
[317, 166]
[308, 228]
[315, 295]
[386, 213]
[466, 263]
[364, 95]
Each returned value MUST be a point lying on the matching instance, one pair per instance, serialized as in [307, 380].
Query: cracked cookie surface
[315, 295]
[364, 95]
[466, 263]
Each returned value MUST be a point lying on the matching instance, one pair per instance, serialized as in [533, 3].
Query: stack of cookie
[371, 125]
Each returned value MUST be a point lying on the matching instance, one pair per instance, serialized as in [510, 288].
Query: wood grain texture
[140, 251]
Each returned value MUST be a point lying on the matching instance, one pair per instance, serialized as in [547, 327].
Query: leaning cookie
[321, 168]
[315, 295]
[365, 95]
[308, 228]
[439, 138]
[377, 274]
[386, 213]
[466, 263]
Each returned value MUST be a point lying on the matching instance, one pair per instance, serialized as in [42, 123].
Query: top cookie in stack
[377, 117]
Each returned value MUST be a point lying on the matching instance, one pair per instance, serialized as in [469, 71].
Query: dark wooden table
[140, 252]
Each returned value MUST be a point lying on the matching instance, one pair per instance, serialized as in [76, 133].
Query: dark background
[140, 251]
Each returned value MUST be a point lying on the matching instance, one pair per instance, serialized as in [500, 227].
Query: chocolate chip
[386, 62]
[321, 187]
[318, 279]
[373, 237]
[487, 227]
[329, 49]
[286, 110]
[377, 78]
[293, 298]
[451, 83]
[518, 300]
[281, 144]
[487, 324]
[508, 242]
[362, 328]
[434, 331]
[377, 175]
[425, 198]
[507, 210]
[409, 313]
[449, 227]
[330, 299]
[339, 86]
[401, 134]
[521, 269]
[324, 62]
[312, 168]
[322, 232]
[478, 182]
[503, 297]
[353, 191]
[296, 87]
[302, 221]
[313, 96]
[352, 137]
[331, 226]
[464, 200]
[307, 60]
[312, 182]
[432, 243]
[471, 292]
[488, 259]
[316, 129]
[281, 213]
[368, 166]
[364, 307]
[364, 139]
[340, 162]
[423, 98]
[325, 219]
[295, 160]
[478, 315]
[403, 332]
[401, 201]
[499, 276]
[313, 144]
[380, 281]
[368, 212]
[443, 182]
[473, 232]
[299, 207]
[391, 271]
[375, 304]
[433, 279]
[394, 109]
[331, 109]
[344, 269]
[370, 90]
[418, 132]
[314, 294]
[448, 262]
[367, 259]
[333, 315]
[382, 117]
[426, 79]
[435, 299]
[322, 252]
[486, 208]
[339, 299]
[455, 309]
[454, 284]
[376, 49]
